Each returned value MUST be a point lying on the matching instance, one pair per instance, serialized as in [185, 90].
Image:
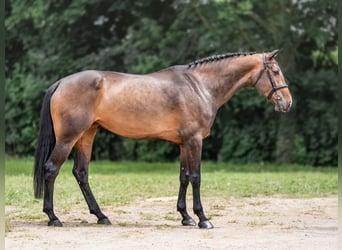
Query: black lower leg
[51, 171]
[181, 204]
[198, 208]
[82, 179]
[93, 206]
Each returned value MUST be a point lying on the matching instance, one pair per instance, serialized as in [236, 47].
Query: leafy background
[49, 39]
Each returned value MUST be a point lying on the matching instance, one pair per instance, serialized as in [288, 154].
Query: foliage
[49, 39]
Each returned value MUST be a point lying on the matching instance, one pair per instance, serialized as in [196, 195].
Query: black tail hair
[46, 142]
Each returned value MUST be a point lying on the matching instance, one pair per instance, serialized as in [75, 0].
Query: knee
[195, 179]
[184, 179]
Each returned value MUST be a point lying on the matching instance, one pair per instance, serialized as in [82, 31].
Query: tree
[47, 40]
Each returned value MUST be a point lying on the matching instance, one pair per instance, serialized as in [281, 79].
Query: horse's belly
[138, 127]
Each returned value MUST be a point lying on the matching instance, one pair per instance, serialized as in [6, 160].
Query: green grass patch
[118, 183]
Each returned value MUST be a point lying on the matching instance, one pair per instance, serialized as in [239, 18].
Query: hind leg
[83, 150]
[52, 167]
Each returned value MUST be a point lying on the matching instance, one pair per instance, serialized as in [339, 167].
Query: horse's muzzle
[282, 105]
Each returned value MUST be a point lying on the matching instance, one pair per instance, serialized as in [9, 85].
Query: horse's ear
[273, 54]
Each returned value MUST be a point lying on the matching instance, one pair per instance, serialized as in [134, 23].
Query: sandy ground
[240, 223]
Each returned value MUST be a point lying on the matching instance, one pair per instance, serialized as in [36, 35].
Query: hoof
[104, 221]
[55, 223]
[205, 224]
[188, 222]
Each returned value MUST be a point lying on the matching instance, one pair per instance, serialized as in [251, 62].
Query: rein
[275, 88]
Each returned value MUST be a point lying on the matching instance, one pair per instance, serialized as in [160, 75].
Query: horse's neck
[223, 79]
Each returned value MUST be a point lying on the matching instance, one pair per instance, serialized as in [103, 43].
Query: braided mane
[215, 58]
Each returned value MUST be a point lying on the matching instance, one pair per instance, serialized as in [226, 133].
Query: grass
[118, 183]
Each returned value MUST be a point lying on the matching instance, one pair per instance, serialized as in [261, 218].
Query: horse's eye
[275, 69]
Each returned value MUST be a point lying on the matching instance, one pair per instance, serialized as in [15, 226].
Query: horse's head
[269, 81]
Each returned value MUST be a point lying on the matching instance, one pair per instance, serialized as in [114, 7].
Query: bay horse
[177, 104]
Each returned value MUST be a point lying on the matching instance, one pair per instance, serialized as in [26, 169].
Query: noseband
[274, 87]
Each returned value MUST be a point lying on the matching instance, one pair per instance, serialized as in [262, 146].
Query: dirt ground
[240, 223]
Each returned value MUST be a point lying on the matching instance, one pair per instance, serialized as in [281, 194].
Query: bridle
[274, 87]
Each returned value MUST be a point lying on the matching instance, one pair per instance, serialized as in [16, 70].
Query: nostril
[289, 106]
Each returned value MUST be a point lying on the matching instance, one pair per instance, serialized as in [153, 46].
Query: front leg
[190, 158]
[195, 179]
[181, 204]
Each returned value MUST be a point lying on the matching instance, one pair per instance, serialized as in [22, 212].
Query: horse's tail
[46, 142]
